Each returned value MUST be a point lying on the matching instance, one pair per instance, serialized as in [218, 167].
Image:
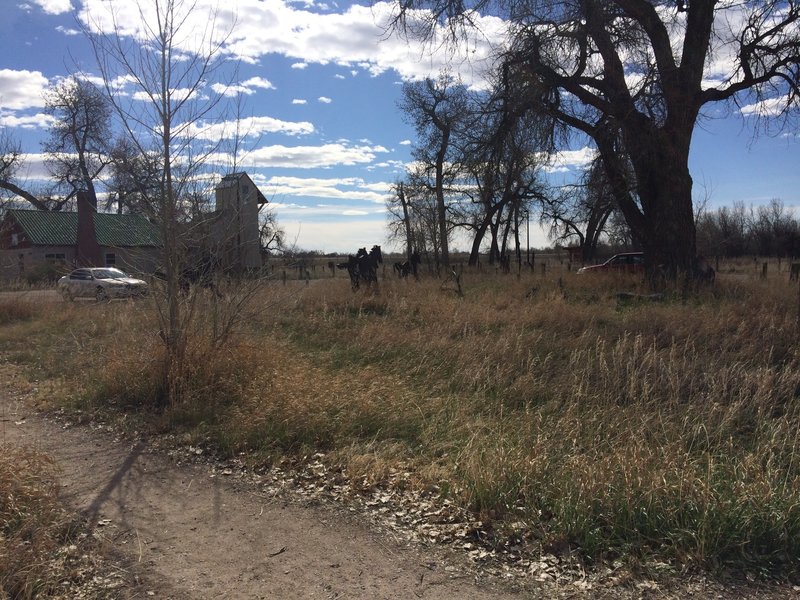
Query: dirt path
[189, 532]
[192, 530]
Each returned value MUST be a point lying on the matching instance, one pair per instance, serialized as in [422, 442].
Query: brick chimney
[88, 251]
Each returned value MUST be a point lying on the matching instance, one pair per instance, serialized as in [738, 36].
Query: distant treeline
[770, 230]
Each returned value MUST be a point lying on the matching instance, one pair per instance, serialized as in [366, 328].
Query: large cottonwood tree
[636, 75]
[76, 148]
[78, 142]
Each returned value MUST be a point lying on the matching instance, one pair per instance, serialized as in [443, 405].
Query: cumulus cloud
[67, 30]
[33, 168]
[299, 101]
[306, 157]
[178, 94]
[350, 38]
[566, 160]
[341, 189]
[21, 90]
[324, 100]
[770, 107]
[37, 121]
[54, 7]
[245, 87]
[247, 127]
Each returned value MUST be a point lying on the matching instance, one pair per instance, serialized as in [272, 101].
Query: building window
[55, 257]
[14, 239]
[111, 259]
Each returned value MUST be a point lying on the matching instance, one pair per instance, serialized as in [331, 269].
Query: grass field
[641, 429]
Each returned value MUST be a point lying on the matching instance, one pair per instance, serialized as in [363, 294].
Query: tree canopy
[635, 76]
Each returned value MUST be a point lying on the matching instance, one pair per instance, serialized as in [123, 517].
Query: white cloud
[248, 127]
[20, 90]
[54, 7]
[117, 84]
[356, 38]
[299, 101]
[300, 65]
[771, 107]
[324, 100]
[178, 94]
[244, 87]
[569, 159]
[305, 157]
[67, 30]
[406, 143]
[37, 121]
[350, 189]
[355, 213]
[33, 168]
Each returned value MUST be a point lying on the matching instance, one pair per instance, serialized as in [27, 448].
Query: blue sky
[320, 83]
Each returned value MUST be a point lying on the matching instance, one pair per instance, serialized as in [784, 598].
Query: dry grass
[33, 524]
[642, 429]
[15, 309]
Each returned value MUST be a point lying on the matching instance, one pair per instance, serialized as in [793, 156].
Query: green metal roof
[43, 228]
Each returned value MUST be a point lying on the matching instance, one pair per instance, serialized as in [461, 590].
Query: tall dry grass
[33, 525]
[664, 429]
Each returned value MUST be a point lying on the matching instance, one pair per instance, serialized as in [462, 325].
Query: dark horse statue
[200, 269]
[363, 266]
[404, 269]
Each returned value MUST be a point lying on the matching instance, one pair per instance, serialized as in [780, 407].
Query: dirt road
[191, 532]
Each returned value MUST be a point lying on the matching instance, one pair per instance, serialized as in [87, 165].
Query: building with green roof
[29, 238]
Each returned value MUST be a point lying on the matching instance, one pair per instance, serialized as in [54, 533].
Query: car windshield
[109, 274]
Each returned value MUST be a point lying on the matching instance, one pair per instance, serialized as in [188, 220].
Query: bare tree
[582, 211]
[413, 215]
[135, 182]
[501, 149]
[11, 162]
[272, 235]
[170, 67]
[77, 146]
[436, 108]
[578, 57]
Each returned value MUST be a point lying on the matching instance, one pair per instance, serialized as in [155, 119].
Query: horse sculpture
[363, 266]
[404, 269]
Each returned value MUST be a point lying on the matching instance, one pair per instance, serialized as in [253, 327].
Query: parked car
[101, 284]
[627, 262]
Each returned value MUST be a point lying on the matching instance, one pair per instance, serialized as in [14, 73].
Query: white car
[101, 284]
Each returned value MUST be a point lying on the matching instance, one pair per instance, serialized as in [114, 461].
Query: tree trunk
[407, 222]
[484, 226]
[441, 216]
[661, 163]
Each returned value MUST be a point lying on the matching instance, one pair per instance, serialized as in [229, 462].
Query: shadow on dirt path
[202, 535]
